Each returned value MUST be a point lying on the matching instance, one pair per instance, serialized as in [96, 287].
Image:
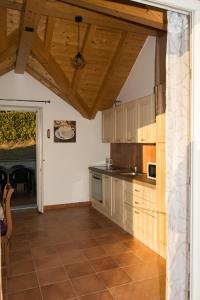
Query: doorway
[20, 155]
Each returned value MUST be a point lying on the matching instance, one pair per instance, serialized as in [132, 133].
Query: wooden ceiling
[40, 37]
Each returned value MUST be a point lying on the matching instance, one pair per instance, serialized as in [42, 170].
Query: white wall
[66, 165]
[141, 79]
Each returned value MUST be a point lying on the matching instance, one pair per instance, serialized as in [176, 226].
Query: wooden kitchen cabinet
[117, 201]
[119, 124]
[130, 122]
[108, 125]
[146, 120]
[107, 194]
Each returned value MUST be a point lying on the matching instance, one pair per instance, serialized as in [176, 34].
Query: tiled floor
[78, 254]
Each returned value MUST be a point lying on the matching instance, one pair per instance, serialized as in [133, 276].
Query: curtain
[177, 149]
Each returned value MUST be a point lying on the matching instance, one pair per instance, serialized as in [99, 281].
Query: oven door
[97, 187]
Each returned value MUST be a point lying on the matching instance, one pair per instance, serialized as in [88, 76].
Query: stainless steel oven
[97, 187]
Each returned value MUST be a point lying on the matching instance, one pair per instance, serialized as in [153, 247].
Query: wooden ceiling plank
[3, 35]
[149, 17]
[12, 5]
[111, 66]
[68, 11]
[58, 75]
[32, 15]
[84, 51]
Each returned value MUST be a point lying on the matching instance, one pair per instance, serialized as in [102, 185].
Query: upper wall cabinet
[108, 125]
[146, 120]
[130, 122]
[119, 124]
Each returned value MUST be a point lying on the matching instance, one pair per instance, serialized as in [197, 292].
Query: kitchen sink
[128, 173]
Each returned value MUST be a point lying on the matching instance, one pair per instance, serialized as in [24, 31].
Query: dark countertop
[117, 173]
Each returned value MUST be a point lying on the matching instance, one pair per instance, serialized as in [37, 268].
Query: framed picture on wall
[64, 131]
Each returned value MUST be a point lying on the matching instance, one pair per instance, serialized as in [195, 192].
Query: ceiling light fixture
[78, 62]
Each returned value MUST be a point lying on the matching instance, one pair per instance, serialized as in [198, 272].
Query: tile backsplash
[126, 155]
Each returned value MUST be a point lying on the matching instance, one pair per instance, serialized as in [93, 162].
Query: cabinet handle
[136, 212]
[136, 190]
[137, 202]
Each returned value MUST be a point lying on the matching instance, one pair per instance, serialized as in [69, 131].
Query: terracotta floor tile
[126, 259]
[33, 294]
[147, 255]
[105, 295]
[115, 248]
[75, 256]
[88, 243]
[95, 252]
[21, 267]
[128, 292]
[22, 282]
[114, 277]
[20, 255]
[58, 291]
[65, 247]
[47, 262]
[79, 269]
[104, 263]
[88, 284]
[19, 246]
[142, 271]
[38, 252]
[154, 288]
[49, 276]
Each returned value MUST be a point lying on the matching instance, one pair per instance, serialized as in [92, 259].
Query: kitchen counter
[117, 172]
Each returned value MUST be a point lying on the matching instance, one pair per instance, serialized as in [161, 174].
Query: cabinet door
[146, 120]
[130, 122]
[160, 177]
[107, 125]
[119, 123]
[107, 193]
[128, 218]
[117, 201]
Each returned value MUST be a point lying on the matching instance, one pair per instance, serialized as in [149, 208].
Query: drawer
[138, 190]
[149, 194]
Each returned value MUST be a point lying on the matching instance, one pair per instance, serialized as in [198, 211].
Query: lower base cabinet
[117, 201]
[134, 208]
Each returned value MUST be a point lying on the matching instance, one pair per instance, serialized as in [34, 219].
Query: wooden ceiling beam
[11, 49]
[3, 29]
[67, 11]
[12, 5]
[144, 16]
[84, 51]
[49, 32]
[33, 11]
[53, 68]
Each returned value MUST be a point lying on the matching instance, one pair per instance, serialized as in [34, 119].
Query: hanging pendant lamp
[78, 62]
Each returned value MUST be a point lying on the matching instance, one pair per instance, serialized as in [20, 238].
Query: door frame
[39, 148]
[191, 8]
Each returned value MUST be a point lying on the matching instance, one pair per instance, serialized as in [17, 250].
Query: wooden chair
[6, 226]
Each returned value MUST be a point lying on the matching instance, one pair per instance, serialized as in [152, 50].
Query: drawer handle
[136, 190]
[136, 212]
[137, 202]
